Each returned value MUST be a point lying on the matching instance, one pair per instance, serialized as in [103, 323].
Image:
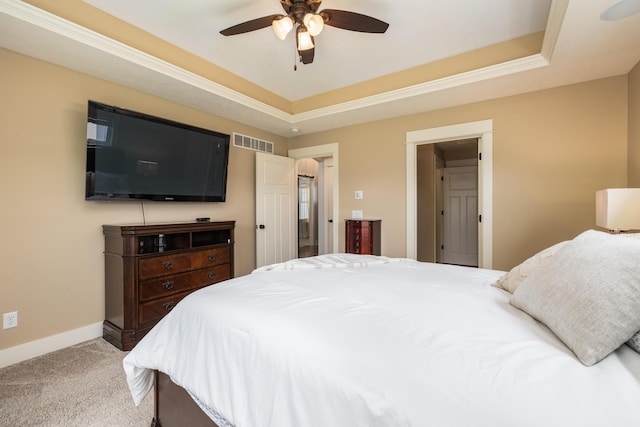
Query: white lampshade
[618, 208]
[282, 25]
[314, 23]
[305, 42]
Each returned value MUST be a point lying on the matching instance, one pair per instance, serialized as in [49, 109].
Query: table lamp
[618, 209]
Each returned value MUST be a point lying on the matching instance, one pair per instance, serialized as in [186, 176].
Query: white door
[461, 216]
[276, 219]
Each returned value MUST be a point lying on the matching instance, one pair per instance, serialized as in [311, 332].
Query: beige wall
[552, 150]
[51, 246]
[634, 127]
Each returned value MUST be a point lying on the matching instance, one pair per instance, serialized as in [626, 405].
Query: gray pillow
[634, 342]
[587, 293]
[511, 280]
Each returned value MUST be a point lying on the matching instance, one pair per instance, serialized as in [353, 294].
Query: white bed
[349, 340]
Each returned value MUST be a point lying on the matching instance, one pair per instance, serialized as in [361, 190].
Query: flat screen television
[136, 156]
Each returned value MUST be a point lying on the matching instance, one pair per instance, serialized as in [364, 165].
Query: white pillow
[510, 281]
[588, 294]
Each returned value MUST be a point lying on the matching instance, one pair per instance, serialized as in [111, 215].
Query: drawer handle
[168, 265]
[169, 305]
[211, 258]
[211, 275]
[168, 285]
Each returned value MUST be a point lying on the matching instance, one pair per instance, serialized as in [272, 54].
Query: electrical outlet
[10, 320]
[359, 194]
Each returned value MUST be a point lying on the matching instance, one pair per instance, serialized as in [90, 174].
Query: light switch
[359, 194]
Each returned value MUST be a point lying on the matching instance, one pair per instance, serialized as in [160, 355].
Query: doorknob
[261, 227]
[331, 221]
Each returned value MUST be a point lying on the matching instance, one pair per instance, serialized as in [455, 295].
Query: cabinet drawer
[163, 265]
[362, 237]
[156, 309]
[206, 258]
[207, 276]
[365, 232]
[164, 286]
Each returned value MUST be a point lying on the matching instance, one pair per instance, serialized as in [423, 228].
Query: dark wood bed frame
[173, 406]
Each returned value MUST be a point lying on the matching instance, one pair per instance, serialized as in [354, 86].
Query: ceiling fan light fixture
[305, 41]
[308, 21]
[282, 25]
[314, 23]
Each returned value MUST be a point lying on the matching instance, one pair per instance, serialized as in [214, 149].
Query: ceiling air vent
[244, 141]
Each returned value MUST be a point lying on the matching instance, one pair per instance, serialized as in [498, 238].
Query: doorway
[483, 131]
[328, 187]
[447, 202]
[307, 214]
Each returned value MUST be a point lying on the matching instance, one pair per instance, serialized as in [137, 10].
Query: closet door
[461, 216]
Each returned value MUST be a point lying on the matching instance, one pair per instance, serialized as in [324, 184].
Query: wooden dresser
[362, 236]
[150, 268]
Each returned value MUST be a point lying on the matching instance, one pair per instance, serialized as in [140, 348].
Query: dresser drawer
[164, 286]
[209, 257]
[155, 310]
[163, 265]
[362, 237]
[207, 276]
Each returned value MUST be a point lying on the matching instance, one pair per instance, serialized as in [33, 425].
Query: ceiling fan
[309, 21]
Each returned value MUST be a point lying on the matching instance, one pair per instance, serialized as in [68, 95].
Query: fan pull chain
[295, 55]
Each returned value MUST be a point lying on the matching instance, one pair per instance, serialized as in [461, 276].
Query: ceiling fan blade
[245, 27]
[306, 56]
[353, 21]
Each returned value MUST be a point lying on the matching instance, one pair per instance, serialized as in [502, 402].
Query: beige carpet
[82, 385]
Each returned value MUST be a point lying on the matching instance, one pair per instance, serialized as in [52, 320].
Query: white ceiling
[419, 32]
[578, 47]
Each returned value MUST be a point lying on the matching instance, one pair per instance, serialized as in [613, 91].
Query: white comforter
[360, 341]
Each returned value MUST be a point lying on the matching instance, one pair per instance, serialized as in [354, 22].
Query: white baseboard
[46, 345]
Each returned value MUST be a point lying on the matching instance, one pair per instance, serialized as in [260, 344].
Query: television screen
[135, 156]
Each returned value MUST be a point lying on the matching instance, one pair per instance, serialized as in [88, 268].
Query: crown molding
[47, 21]
[200, 88]
[557, 12]
[481, 74]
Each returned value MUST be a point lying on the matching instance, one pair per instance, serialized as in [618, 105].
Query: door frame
[483, 130]
[323, 151]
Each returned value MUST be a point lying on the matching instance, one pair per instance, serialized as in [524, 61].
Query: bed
[357, 340]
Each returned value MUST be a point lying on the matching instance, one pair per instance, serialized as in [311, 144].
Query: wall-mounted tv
[136, 156]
